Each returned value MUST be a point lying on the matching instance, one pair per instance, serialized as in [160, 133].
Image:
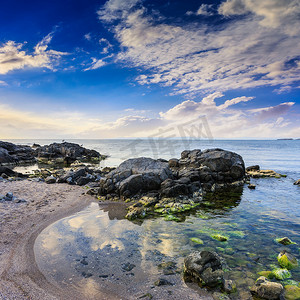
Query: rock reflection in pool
[96, 249]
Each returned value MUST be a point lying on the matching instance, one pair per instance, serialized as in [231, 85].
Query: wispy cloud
[203, 10]
[243, 52]
[13, 58]
[3, 83]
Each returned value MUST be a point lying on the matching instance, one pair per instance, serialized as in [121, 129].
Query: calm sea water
[98, 241]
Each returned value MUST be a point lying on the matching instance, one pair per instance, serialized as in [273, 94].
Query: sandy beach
[19, 226]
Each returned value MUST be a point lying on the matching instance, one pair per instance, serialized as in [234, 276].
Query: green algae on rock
[281, 274]
[287, 260]
[219, 237]
[284, 241]
[197, 241]
[291, 292]
[267, 274]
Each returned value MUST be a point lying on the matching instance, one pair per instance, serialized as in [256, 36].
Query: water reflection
[97, 249]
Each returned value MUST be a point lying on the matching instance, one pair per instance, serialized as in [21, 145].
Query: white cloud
[193, 58]
[96, 64]
[203, 10]
[88, 36]
[13, 58]
[3, 83]
[227, 119]
[272, 13]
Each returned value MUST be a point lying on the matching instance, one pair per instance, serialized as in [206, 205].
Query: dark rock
[86, 275]
[84, 262]
[51, 179]
[162, 281]
[204, 266]
[68, 152]
[7, 172]
[266, 289]
[252, 186]
[253, 168]
[297, 182]
[11, 154]
[128, 267]
[173, 163]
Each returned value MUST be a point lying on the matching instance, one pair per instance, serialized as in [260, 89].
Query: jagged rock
[253, 168]
[266, 289]
[11, 154]
[65, 152]
[204, 266]
[209, 170]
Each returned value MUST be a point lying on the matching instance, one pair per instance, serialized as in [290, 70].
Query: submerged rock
[266, 289]
[264, 173]
[205, 267]
[281, 274]
[297, 182]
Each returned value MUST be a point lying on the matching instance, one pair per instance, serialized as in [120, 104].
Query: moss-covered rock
[266, 289]
[197, 240]
[281, 274]
[171, 218]
[267, 274]
[284, 241]
[287, 260]
[219, 237]
[291, 292]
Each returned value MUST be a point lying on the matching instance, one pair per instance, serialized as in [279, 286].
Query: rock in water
[266, 289]
[297, 182]
[204, 266]
[209, 170]
[50, 179]
[284, 241]
[287, 260]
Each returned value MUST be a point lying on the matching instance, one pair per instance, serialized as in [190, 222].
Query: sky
[138, 68]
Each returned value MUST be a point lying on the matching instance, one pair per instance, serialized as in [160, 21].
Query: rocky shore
[149, 187]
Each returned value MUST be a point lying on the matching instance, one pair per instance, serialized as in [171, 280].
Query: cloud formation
[13, 58]
[229, 119]
[259, 48]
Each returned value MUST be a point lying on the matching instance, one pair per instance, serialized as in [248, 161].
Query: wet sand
[21, 223]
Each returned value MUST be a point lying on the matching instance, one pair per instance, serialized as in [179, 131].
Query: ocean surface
[98, 249]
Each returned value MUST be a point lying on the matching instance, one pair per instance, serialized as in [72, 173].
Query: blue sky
[110, 69]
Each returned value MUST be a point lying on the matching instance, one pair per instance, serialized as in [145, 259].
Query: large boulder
[205, 267]
[193, 172]
[134, 176]
[11, 154]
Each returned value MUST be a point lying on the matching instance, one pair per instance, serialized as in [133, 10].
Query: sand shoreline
[20, 224]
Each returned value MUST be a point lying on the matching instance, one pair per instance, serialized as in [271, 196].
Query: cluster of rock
[11, 154]
[81, 175]
[256, 172]
[11, 198]
[65, 153]
[195, 171]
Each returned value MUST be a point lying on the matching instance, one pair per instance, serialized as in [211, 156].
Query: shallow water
[102, 238]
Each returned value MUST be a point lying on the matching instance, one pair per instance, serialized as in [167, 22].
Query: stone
[291, 292]
[229, 286]
[50, 179]
[281, 274]
[205, 267]
[284, 241]
[162, 281]
[267, 289]
[287, 260]
[297, 182]
[253, 168]
[251, 186]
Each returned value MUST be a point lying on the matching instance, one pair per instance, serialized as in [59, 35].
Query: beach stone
[287, 260]
[9, 196]
[204, 266]
[50, 179]
[253, 168]
[266, 289]
[162, 281]
[291, 292]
